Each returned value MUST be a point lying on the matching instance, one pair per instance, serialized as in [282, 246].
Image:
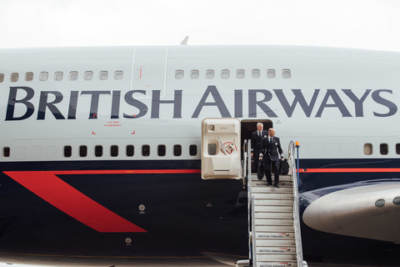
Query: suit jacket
[256, 142]
[271, 149]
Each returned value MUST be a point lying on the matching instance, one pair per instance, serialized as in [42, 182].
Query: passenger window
[212, 149]
[177, 150]
[67, 151]
[103, 75]
[194, 74]
[179, 74]
[119, 75]
[6, 152]
[58, 76]
[368, 149]
[271, 74]
[98, 151]
[161, 150]
[73, 75]
[286, 74]
[130, 150]
[193, 150]
[384, 149]
[29, 76]
[1, 77]
[114, 151]
[88, 75]
[225, 74]
[398, 149]
[14, 77]
[83, 151]
[255, 74]
[145, 150]
[240, 74]
[210, 74]
[43, 76]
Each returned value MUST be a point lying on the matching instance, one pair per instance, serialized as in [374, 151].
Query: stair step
[273, 195]
[275, 243]
[271, 189]
[276, 250]
[263, 183]
[275, 235]
[265, 208]
[274, 228]
[278, 257]
[273, 202]
[263, 221]
[277, 264]
[273, 215]
[281, 178]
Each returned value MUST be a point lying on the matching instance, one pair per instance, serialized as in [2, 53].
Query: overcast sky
[365, 24]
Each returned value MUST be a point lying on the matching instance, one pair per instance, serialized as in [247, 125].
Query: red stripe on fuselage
[66, 198]
[331, 170]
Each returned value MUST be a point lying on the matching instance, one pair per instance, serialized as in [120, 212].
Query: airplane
[101, 151]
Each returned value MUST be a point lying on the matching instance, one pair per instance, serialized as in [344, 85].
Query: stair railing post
[298, 163]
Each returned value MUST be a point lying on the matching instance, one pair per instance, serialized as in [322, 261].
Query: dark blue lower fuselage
[184, 216]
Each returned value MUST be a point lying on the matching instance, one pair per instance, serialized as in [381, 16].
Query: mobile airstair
[274, 226]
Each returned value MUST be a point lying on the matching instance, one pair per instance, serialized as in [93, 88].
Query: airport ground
[191, 264]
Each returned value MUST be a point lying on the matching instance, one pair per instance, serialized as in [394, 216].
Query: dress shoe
[269, 184]
[277, 186]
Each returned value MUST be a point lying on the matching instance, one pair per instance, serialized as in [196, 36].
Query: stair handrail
[253, 231]
[296, 213]
[250, 207]
[246, 182]
[252, 224]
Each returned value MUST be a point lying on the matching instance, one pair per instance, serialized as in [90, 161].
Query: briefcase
[284, 167]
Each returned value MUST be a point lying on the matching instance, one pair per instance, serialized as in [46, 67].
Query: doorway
[247, 128]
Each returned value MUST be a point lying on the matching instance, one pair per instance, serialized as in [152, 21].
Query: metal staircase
[274, 227]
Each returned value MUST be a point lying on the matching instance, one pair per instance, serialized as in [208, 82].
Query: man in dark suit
[256, 138]
[270, 147]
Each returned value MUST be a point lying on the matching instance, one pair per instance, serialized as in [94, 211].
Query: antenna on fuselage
[184, 42]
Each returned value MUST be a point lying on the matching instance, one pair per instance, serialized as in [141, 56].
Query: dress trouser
[256, 157]
[267, 163]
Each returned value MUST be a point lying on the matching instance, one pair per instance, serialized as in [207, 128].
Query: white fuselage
[356, 98]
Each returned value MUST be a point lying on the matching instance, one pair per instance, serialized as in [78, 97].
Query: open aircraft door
[220, 142]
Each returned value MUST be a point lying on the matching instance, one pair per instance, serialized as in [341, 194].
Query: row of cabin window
[161, 150]
[383, 149]
[226, 74]
[114, 151]
[59, 76]
[130, 150]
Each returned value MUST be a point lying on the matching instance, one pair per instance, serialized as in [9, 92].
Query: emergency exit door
[220, 157]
